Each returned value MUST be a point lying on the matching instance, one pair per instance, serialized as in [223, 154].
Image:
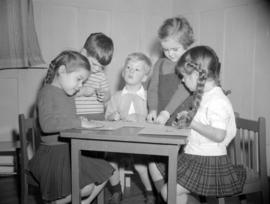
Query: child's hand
[90, 124]
[182, 120]
[100, 94]
[86, 91]
[114, 116]
[152, 116]
[83, 118]
[163, 117]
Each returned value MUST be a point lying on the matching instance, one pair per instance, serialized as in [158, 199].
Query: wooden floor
[134, 195]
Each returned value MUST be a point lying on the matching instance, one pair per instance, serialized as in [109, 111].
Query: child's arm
[212, 133]
[152, 93]
[55, 117]
[103, 91]
[178, 98]
[103, 95]
[218, 113]
[111, 112]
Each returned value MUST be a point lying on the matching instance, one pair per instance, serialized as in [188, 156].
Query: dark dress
[51, 164]
[162, 88]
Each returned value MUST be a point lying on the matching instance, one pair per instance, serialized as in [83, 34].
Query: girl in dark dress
[56, 112]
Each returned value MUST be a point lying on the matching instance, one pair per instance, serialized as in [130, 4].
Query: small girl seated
[129, 104]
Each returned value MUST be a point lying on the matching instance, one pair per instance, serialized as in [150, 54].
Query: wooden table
[124, 140]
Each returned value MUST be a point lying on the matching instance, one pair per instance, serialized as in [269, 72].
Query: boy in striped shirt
[90, 100]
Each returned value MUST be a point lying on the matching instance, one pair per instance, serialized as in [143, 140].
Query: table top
[125, 134]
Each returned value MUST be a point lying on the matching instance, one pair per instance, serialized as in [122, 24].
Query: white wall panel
[238, 56]
[126, 37]
[57, 29]
[211, 30]
[8, 108]
[90, 21]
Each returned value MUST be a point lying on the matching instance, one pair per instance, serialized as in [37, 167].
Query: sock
[149, 193]
[116, 188]
[159, 184]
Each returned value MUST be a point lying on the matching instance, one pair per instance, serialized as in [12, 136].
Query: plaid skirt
[51, 167]
[210, 175]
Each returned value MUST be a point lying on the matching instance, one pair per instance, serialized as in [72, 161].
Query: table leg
[75, 162]
[172, 171]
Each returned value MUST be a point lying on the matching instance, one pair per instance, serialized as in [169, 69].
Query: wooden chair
[125, 171]
[249, 149]
[28, 142]
[9, 148]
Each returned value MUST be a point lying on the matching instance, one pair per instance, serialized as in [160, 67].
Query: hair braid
[197, 95]
[68, 58]
[50, 74]
[226, 92]
[184, 118]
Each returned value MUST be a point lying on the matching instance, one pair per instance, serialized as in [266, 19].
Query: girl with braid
[204, 167]
[56, 112]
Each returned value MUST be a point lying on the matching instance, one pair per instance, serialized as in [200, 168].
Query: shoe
[116, 198]
[150, 199]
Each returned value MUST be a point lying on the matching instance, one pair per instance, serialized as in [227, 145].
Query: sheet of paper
[164, 130]
[148, 128]
[113, 125]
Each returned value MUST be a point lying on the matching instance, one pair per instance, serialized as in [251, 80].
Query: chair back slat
[28, 142]
[262, 145]
[246, 144]
[249, 149]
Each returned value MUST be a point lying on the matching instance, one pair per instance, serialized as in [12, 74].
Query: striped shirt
[90, 105]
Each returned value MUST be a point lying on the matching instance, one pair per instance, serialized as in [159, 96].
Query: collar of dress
[141, 92]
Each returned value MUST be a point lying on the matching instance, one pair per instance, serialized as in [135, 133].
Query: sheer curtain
[19, 46]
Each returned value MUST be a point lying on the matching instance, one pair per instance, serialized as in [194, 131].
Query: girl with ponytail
[204, 167]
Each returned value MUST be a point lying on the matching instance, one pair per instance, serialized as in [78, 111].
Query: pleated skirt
[51, 167]
[210, 175]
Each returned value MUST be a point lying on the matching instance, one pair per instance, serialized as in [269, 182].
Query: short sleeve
[104, 82]
[218, 114]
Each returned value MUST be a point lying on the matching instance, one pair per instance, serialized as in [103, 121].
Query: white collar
[141, 92]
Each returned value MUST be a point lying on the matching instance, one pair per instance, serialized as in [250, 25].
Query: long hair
[204, 60]
[70, 59]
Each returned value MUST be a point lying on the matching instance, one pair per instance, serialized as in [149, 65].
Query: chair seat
[252, 176]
